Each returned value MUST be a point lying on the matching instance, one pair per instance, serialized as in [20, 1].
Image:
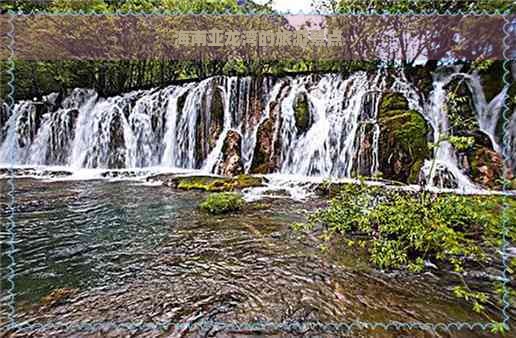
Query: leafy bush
[223, 202]
[404, 229]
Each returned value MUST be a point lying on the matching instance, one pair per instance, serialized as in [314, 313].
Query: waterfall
[328, 147]
[186, 125]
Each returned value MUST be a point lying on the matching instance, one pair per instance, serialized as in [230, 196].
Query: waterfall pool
[126, 251]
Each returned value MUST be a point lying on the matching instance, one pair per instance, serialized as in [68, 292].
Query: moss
[223, 202]
[393, 101]
[213, 184]
[302, 113]
[403, 139]
[412, 135]
[409, 130]
[414, 171]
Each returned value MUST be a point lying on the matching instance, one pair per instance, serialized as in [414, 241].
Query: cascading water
[187, 126]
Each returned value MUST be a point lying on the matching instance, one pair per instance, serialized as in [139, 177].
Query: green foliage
[462, 143]
[499, 327]
[403, 230]
[460, 112]
[423, 6]
[478, 298]
[482, 65]
[219, 203]
[406, 228]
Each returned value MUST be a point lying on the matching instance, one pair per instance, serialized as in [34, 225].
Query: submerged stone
[58, 296]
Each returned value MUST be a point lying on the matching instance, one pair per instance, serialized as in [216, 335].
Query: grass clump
[219, 203]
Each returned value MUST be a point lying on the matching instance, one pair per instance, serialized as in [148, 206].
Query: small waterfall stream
[186, 126]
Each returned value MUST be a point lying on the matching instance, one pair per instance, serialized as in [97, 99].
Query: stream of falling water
[172, 127]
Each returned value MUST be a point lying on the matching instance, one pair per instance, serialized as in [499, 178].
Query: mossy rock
[393, 101]
[209, 183]
[217, 104]
[302, 113]
[403, 144]
[224, 202]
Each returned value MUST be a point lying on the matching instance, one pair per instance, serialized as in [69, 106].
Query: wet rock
[4, 117]
[117, 144]
[29, 121]
[261, 159]
[486, 167]
[124, 173]
[403, 144]
[210, 122]
[491, 80]
[231, 164]
[421, 77]
[302, 113]
[61, 136]
[363, 160]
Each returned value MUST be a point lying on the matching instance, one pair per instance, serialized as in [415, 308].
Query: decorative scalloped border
[289, 326]
[11, 203]
[506, 139]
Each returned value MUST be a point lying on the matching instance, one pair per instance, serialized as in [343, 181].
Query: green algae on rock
[208, 183]
[223, 202]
